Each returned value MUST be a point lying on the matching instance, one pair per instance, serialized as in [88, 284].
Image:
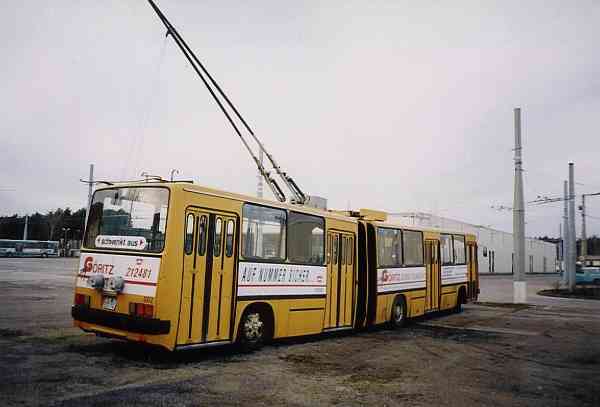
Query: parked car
[587, 275]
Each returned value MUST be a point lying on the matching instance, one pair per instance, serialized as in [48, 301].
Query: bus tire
[398, 315]
[253, 329]
[44, 255]
[460, 300]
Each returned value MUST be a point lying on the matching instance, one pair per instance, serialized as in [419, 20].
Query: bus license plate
[109, 303]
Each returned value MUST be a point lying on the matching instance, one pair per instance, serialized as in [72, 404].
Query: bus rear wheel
[252, 331]
[398, 317]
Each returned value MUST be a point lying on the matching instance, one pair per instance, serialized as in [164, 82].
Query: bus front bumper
[128, 323]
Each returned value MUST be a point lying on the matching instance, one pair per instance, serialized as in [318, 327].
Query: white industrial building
[495, 251]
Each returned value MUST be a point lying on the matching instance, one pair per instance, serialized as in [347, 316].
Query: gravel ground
[543, 354]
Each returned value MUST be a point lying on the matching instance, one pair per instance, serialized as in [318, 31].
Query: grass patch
[582, 293]
[509, 305]
[11, 333]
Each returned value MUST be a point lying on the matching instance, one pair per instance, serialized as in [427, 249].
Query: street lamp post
[65, 231]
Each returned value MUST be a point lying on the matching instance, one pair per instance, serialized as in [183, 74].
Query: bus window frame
[215, 254]
[422, 249]
[390, 266]
[229, 248]
[451, 262]
[202, 238]
[141, 252]
[464, 250]
[287, 239]
[243, 257]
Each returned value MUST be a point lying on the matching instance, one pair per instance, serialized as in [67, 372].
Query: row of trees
[54, 225]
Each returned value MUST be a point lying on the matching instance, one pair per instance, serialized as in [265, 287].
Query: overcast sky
[393, 105]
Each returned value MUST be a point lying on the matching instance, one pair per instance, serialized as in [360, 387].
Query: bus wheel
[398, 317]
[44, 255]
[252, 331]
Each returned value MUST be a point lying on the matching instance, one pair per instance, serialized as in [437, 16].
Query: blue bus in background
[28, 248]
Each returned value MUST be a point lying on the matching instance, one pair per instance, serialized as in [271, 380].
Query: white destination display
[396, 279]
[268, 279]
[140, 273]
[454, 274]
[121, 242]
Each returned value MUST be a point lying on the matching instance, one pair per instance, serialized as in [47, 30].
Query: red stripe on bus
[282, 285]
[403, 282]
[127, 281]
[141, 282]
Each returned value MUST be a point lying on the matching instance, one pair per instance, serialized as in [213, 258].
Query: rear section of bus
[121, 262]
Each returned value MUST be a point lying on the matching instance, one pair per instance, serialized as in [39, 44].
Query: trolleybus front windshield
[128, 219]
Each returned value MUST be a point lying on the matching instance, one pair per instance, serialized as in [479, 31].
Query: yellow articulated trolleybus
[181, 266]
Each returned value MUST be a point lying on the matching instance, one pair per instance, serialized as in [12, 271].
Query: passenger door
[207, 280]
[340, 280]
[473, 272]
[433, 278]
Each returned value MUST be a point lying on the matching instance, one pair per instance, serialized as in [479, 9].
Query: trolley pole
[259, 185]
[572, 239]
[519, 284]
[566, 239]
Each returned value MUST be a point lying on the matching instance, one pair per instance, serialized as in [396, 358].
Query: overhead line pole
[583, 233]
[572, 239]
[566, 238]
[519, 284]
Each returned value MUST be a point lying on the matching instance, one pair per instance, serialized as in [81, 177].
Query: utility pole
[560, 248]
[566, 238]
[571, 234]
[583, 234]
[519, 284]
[26, 225]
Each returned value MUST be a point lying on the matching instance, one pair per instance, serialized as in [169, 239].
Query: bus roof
[198, 189]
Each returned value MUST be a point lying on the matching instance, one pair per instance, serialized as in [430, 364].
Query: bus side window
[229, 238]
[218, 232]
[202, 235]
[189, 234]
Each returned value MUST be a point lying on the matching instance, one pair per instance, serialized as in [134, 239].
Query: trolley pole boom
[299, 196]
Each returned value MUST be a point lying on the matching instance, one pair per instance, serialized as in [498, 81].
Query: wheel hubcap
[253, 327]
[398, 314]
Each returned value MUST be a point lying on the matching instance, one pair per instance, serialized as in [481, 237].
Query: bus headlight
[96, 281]
[116, 284]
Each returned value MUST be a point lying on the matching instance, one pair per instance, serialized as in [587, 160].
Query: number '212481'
[138, 272]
